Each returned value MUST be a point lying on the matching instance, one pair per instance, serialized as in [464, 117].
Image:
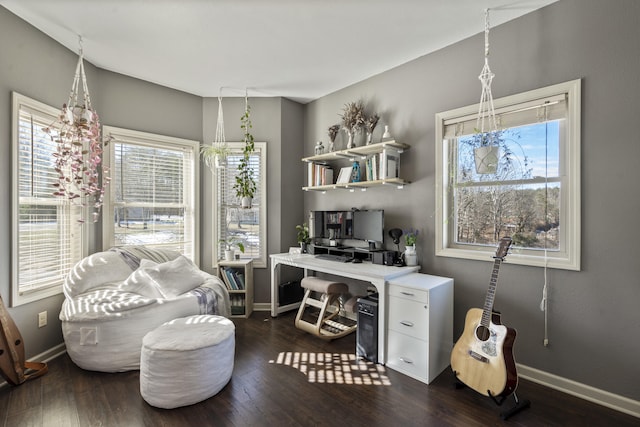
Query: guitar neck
[491, 293]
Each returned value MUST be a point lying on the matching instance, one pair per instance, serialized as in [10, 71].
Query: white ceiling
[299, 49]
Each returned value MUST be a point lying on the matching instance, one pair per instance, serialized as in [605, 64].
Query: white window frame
[76, 235]
[568, 256]
[191, 194]
[218, 225]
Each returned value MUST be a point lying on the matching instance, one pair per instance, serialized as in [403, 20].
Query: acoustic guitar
[13, 366]
[483, 356]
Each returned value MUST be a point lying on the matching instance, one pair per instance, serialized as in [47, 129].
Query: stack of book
[232, 278]
[319, 174]
[383, 166]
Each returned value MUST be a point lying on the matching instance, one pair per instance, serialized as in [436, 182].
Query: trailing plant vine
[245, 185]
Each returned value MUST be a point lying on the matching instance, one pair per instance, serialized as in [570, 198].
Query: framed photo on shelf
[345, 175]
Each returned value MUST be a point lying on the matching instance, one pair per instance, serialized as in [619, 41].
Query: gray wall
[36, 66]
[593, 314]
[279, 122]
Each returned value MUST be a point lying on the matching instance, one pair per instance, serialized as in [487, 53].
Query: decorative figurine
[319, 148]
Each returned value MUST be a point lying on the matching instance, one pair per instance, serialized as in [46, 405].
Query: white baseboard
[261, 306]
[583, 391]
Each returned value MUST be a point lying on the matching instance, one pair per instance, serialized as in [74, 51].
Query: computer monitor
[368, 225]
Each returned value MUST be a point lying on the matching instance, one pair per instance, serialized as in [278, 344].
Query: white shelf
[353, 154]
[241, 299]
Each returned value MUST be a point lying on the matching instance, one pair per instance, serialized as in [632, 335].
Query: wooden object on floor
[13, 366]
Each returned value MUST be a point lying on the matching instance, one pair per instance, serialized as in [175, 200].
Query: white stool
[186, 360]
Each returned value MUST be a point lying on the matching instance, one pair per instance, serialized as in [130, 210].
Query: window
[152, 195]
[230, 219]
[47, 238]
[534, 193]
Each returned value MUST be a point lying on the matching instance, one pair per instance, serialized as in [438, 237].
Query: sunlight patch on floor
[334, 368]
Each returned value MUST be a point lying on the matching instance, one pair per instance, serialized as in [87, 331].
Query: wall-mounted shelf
[382, 151]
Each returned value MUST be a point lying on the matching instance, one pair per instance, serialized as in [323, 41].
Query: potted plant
[303, 236]
[215, 156]
[410, 254]
[229, 252]
[486, 150]
[245, 184]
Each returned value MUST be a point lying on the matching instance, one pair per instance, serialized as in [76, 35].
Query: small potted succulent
[303, 236]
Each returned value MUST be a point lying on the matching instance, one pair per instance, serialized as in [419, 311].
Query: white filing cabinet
[420, 325]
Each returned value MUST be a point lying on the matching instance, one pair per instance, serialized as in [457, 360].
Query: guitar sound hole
[482, 333]
[18, 342]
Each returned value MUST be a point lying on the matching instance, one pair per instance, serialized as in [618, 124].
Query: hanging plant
[487, 152]
[215, 155]
[79, 149]
[245, 185]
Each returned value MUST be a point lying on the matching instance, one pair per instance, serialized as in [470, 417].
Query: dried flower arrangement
[370, 125]
[352, 120]
[333, 132]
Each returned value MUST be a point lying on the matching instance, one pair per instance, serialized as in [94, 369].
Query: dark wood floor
[285, 377]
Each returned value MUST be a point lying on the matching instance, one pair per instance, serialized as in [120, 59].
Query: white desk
[378, 275]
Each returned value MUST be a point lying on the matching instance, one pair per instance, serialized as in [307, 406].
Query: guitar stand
[518, 406]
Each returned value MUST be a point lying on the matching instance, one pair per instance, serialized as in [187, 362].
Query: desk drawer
[409, 293]
[409, 317]
[407, 355]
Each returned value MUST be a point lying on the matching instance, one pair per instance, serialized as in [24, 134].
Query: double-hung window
[47, 238]
[533, 195]
[151, 199]
[231, 221]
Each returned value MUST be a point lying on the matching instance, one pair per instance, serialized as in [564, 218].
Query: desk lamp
[395, 234]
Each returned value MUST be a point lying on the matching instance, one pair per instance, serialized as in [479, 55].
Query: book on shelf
[238, 278]
[389, 163]
[224, 278]
[345, 175]
[319, 174]
[229, 279]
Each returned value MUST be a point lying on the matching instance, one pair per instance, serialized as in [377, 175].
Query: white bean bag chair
[186, 360]
[113, 298]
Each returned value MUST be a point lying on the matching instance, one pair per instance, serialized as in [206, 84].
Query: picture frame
[345, 175]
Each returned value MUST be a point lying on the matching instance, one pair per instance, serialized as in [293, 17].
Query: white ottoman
[186, 360]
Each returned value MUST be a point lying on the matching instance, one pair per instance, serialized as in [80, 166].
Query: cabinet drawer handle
[409, 294]
[406, 323]
[405, 360]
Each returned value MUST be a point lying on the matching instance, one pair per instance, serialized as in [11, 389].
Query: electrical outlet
[42, 319]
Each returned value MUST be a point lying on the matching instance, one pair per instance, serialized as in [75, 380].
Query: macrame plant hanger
[79, 148]
[215, 155]
[487, 154]
[220, 142]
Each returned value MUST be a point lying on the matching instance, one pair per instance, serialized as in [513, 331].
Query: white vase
[486, 158]
[411, 256]
[350, 140]
[229, 255]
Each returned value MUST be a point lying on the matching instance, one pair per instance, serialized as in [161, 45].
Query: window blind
[234, 221]
[49, 238]
[525, 113]
[152, 193]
